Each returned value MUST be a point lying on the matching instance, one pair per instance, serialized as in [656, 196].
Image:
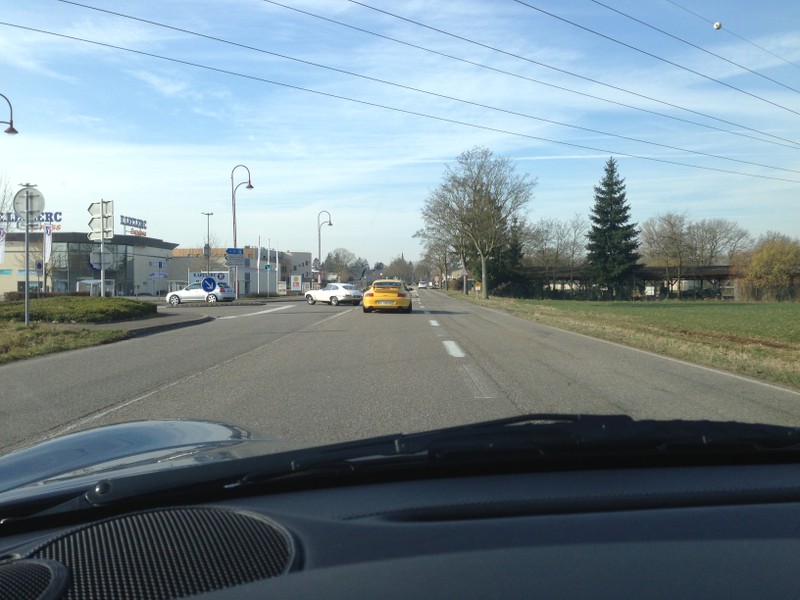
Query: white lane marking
[260, 312]
[434, 323]
[453, 349]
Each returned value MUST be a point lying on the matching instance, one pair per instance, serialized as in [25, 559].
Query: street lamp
[207, 249]
[233, 204]
[10, 129]
[319, 243]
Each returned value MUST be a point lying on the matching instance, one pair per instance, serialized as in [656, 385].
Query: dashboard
[665, 532]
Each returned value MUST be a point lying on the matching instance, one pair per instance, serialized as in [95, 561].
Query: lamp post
[233, 204]
[10, 129]
[207, 249]
[319, 243]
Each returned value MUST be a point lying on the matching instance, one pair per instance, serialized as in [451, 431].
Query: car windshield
[548, 207]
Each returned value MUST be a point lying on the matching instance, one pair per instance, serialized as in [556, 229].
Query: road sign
[234, 251]
[208, 284]
[28, 204]
[101, 261]
[102, 221]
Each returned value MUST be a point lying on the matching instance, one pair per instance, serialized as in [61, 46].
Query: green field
[760, 340]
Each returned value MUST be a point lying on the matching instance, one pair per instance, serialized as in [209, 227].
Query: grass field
[760, 340]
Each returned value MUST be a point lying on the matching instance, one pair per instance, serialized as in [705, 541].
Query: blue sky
[333, 105]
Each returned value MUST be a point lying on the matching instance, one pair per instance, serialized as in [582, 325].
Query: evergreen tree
[613, 239]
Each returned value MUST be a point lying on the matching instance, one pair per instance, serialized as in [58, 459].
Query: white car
[195, 292]
[336, 293]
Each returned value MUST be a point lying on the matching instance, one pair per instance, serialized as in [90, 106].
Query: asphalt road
[319, 373]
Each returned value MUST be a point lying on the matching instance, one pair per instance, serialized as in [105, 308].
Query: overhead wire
[396, 109]
[554, 68]
[433, 94]
[736, 35]
[656, 57]
[695, 46]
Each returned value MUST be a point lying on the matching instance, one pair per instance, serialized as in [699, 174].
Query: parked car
[422, 284]
[195, 292]
[387, 294]
[336, 293]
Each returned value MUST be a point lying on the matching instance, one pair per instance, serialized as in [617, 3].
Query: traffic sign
[234, 251]
[28, 204]
[208, 284]
[102, 221]
[101, 261]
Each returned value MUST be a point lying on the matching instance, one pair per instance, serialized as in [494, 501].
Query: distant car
[194, 292]
[422, 284]
[387, 294]
[335, 293]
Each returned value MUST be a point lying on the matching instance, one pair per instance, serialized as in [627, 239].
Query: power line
[437, 95]
[560, 70]
[695, 46]
[736, 35]
[791, 145]
[393, 108]
[655, 56]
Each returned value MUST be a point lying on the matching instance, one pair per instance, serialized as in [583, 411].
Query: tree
[666, 239]
[613, 239]
[773, 271]
[399, 268]
[715, 240]
[339, 262]
[476, 202]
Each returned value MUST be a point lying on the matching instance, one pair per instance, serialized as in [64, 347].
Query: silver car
[195, 292]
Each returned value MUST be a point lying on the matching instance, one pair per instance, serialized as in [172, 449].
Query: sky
[357, 109]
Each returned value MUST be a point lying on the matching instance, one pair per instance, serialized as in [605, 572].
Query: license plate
[386, 302]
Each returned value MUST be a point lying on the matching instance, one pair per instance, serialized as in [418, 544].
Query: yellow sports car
[387, 294]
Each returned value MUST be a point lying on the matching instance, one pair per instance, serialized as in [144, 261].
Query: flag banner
[48, 243]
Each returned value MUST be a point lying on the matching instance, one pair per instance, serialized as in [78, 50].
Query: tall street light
[233, 204]
[319, 243]
[207, 249]
[10, 129]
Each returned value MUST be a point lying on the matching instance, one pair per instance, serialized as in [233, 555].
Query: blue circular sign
[209, 284]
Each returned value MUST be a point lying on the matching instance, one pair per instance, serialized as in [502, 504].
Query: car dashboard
[706, 531]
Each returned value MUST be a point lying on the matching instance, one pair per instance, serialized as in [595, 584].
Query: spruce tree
[613, 239]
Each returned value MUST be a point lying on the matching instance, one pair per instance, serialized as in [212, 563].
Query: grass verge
[759, 340]
[46, 332]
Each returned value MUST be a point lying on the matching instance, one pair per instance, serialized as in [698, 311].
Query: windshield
[576, 208]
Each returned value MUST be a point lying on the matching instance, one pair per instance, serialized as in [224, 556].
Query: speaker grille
[33, 579]
[170, 553]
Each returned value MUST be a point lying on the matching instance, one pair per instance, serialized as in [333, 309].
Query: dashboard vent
[169, 553]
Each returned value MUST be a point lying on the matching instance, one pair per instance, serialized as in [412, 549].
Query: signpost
[28, 204]
[102, 229]
[234, 257]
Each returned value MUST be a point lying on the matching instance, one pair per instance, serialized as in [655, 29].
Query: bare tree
[476, 202]
[339, 262]
[665, 238]
[715, 240]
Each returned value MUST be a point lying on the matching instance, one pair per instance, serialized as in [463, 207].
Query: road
[319, 373]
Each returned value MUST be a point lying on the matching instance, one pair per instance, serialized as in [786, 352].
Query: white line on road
[434, 323]
[453, 349]
[260, 312]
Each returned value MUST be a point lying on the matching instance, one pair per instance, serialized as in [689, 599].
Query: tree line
[475, 219]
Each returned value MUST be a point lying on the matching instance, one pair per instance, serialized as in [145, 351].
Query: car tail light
[401, 294]
[369, 295]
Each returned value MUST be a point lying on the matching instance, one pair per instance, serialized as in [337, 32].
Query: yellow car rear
[387, 294]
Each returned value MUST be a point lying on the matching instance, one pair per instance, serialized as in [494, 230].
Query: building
[138, 265]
